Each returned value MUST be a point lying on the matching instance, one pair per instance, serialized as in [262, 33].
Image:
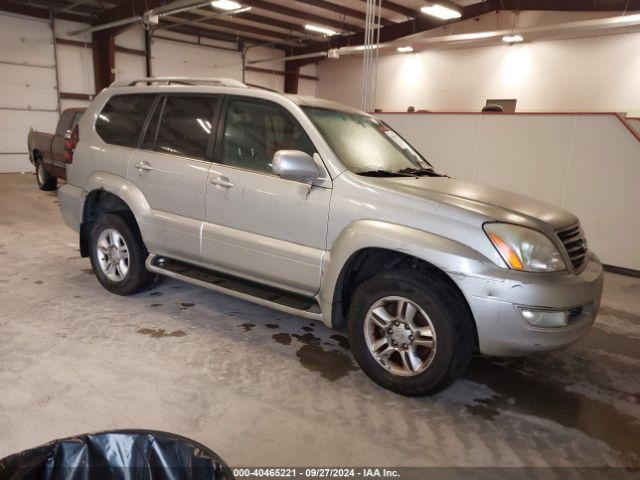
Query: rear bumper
[495, 300]
[71, 201]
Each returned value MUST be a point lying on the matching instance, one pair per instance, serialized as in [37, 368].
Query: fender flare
[450, 256]
[121, 188]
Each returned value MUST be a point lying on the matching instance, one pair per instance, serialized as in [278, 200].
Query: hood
[494, 203]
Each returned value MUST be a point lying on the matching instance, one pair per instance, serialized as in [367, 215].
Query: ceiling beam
[572, 5]
[70, 6]
[396, 8]
[423, 23]
[195, 32]
[37, 12]
[399, 30]
[291, 28]
[274, 22]
[127, 8]
[223, 36]
[203, 16]
[346, 11]
[302, 15]
[218, 22]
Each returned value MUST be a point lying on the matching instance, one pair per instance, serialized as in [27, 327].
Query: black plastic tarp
[121, 454]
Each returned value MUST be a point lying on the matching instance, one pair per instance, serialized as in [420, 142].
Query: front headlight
[524, 249]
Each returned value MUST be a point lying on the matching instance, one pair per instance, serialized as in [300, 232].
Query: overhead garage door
[171, 58]
[28, 96]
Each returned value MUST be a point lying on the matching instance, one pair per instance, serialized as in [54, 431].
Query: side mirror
[295, 165]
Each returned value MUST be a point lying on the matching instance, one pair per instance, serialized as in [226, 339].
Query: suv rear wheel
[118, 255]
[45, 180]
[410, 332]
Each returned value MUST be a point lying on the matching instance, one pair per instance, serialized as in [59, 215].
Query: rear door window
[122, 118]
[185, 125]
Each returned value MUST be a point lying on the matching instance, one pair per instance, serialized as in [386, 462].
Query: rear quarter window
[122, 118]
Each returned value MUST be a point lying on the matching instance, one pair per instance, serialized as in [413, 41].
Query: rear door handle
[144, 166]
[221, 182]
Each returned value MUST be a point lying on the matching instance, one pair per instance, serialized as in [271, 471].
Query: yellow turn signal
[508, 253]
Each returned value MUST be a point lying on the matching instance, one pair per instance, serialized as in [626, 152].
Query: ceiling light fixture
[317, 29]
[225, 4]
[512, 38]
[407, 49]
[441, 12]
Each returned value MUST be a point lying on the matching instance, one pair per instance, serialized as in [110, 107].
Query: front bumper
[495, 298]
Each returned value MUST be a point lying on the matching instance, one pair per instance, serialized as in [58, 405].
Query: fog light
[544, 318]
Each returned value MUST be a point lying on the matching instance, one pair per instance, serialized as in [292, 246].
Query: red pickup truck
[47, 151]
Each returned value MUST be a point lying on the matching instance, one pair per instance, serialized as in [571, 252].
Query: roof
[199, 82]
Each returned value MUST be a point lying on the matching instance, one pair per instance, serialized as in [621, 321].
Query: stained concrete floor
[263, 388]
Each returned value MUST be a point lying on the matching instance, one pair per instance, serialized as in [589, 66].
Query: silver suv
[319, 210]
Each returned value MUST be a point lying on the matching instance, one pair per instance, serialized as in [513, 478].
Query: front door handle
[144, 166]
[221, 182]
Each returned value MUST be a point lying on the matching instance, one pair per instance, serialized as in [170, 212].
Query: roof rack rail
[222, 82]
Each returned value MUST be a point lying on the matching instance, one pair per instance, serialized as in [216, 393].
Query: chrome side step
[264, 295]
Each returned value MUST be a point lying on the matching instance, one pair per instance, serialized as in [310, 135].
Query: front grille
[574, 243]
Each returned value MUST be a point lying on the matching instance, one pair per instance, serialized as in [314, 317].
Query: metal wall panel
[586, 163]
[28, 90]
[172, 58]
[28, 96]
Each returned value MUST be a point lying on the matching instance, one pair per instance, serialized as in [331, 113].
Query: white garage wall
[306, 86]
[128, 65]
[176, 58]
[28, 91]
[75, 64]
[586, 163]
[268, 80]
[589, 74]
[181, 59]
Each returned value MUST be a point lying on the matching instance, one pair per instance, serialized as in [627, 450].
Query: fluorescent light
[441, 12]
[225, 4]
[405, 49]
[512, 38]
[317, 29]
[630, 18]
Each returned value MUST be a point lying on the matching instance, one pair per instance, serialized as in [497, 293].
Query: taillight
[70, 144]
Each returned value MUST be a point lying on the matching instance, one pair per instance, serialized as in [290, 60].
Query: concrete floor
[262, 388]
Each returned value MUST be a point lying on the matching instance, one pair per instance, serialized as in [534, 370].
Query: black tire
[46, 181]
[137, 278]
[447, 311]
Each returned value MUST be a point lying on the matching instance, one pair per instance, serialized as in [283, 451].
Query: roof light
[512, 38]
[441, 12]
[407, 49]
[317, 29]
[225, 4]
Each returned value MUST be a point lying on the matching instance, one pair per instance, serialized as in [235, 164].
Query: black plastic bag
[120, 454]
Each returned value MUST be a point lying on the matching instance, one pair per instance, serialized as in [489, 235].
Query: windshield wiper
[420, 172]
[385, 173]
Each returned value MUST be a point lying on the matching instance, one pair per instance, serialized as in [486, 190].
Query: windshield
[364, 144]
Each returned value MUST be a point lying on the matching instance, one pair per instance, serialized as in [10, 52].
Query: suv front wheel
[410, 331]
[118, 255]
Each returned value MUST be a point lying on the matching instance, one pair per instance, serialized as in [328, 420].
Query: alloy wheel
[113, 255]
[400, 336]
